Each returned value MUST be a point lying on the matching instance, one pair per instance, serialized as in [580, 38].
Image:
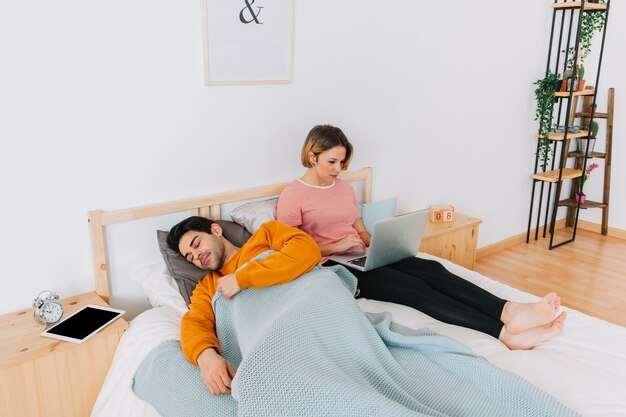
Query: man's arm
[199, 342]
[217, 373]
[296, 253]
[197, 328]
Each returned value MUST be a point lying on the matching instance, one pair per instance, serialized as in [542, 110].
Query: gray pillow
[253, 215]
[186, 274]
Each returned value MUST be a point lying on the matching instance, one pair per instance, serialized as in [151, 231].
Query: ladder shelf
[570, 40]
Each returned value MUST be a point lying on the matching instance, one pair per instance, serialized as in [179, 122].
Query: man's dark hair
[196, 223]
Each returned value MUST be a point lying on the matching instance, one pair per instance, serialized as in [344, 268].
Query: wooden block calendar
[440, 214]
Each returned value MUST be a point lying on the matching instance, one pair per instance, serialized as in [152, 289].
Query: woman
[325, 207]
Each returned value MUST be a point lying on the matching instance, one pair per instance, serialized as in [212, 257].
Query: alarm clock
[46, 308]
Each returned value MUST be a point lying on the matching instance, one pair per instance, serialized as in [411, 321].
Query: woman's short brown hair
[322, 138]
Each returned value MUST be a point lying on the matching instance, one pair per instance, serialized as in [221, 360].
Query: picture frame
[247, 41]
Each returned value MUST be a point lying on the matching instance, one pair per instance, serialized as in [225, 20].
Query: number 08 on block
[440, 214]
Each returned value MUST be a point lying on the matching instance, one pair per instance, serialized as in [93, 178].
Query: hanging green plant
[544, 95]
[592, 22]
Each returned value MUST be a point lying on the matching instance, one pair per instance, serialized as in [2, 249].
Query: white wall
[102, 105]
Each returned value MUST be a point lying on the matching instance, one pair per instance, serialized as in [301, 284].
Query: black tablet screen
[83, 323]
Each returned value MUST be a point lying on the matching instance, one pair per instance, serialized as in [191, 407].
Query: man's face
[204, 250]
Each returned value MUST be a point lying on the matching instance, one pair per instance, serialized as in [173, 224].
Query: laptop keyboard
[358, 261]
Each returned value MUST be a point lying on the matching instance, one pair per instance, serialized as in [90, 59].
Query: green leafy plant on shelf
[544, 95]
[592, 23]
[572, 75]
[569, 67]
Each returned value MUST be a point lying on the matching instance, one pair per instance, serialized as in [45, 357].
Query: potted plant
[544, 95]
[590, 139]
[581, 76]
[580, 196]
[573, 76]
[568, 77]
[574, 73]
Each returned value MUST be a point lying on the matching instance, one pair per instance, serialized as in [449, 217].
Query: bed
[584, 368]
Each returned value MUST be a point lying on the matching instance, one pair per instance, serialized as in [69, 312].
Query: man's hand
[217, 372]
[228, 286]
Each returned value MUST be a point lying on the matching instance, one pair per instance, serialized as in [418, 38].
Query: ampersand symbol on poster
[253, 16]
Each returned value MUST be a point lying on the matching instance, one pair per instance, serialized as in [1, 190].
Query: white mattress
[584, 368]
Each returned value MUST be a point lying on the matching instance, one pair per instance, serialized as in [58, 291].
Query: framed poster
[247, 41]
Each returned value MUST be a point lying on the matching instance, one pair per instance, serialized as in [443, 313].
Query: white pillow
[253, 215]
[159, 286]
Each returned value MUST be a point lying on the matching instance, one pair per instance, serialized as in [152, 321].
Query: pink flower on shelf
[590, 168]
[584, 178]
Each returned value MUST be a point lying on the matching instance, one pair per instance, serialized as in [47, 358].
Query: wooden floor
[589, 274]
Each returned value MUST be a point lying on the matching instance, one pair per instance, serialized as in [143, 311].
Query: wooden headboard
[209, 206]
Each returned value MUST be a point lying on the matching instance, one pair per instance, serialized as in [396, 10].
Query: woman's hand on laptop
[350, 243]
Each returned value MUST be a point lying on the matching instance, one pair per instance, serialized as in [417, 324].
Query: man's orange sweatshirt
[296, 253]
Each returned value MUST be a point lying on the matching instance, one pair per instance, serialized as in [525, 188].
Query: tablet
[83, 324]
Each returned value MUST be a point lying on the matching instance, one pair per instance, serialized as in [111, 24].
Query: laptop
[392, 240]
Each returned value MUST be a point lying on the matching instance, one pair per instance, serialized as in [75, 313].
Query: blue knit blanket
[306, 349]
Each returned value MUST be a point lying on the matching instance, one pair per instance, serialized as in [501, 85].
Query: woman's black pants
[429, 287]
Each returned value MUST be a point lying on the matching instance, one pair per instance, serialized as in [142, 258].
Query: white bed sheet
[585, 368]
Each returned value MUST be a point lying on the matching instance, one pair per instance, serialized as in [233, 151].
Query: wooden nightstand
[47, 377]
[455, 241]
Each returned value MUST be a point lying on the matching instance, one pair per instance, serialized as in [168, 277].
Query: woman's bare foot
[519, 317]
[532, 337]
[554, 300]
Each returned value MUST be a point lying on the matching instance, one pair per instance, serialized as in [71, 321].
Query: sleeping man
[306, 348]
[202, 243]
